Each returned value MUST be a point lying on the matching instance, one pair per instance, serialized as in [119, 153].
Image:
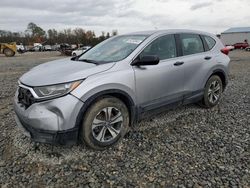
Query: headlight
[56, 90]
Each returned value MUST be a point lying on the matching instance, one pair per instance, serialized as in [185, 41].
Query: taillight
[225, 51]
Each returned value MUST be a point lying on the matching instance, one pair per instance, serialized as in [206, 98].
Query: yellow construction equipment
[9, 49]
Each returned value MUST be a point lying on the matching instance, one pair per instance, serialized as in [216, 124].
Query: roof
[150, 32]
[166, 31]
[238, 30]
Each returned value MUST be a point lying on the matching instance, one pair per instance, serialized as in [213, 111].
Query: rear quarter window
[210, 42]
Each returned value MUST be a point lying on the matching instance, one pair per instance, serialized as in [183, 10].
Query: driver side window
[164, 47]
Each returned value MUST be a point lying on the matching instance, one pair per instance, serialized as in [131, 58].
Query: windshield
[115, 49]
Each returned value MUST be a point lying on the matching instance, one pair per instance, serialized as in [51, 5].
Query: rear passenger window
[210, 42]
[191, 44]
[164, 47]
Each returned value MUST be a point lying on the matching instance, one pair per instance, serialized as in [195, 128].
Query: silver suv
[97, 96]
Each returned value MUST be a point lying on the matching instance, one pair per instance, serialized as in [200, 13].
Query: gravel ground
[185, 147]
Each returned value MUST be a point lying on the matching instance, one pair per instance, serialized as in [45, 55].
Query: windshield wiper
[89, 61]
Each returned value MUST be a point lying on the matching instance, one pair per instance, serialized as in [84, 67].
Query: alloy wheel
[214, 92]
[107, 124]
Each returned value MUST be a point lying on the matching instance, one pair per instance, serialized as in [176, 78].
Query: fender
[112, 92]
[218, 69]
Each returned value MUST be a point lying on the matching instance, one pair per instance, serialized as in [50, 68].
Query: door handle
[207, 58]
[178, 63]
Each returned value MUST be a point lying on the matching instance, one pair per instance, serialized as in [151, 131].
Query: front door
[162, 84]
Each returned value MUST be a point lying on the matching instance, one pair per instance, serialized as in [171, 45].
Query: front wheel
[212, 92]
[8, 52]
[105, 123]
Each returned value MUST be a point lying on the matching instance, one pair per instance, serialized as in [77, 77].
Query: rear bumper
[65, 137]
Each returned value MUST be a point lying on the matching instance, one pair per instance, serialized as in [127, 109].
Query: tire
[74, 54]
[8, 52]
[212, 92]
[100, 130]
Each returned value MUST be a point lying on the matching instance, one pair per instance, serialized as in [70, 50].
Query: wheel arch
[122, 95]
[223, 76]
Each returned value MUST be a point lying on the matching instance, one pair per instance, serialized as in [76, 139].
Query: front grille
[25, 97]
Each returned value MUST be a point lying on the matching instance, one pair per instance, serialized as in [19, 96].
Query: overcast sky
[125, 15]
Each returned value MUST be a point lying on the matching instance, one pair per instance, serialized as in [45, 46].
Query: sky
[213, 16]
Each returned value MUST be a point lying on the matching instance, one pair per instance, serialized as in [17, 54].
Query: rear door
[197, 61]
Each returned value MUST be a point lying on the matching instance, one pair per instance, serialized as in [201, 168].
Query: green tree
[52, 36]
[37, 32]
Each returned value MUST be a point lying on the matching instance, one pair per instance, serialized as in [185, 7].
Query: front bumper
[66, 137]
[52, 121]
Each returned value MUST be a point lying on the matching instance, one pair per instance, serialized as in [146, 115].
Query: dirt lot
[185, 147]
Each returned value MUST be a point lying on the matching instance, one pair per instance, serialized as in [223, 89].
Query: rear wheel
[213, 92]
[8, 52]
[105, 123]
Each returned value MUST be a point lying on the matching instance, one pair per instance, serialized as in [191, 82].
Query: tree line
[35, 34]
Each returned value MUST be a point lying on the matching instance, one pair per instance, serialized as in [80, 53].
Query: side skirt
[193, 97]
[149, 110]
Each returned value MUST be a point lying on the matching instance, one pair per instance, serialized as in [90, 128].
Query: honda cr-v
[97, 96]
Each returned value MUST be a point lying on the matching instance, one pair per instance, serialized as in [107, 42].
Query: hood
[61, 71]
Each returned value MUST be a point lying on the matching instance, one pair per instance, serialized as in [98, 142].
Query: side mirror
[146, 60]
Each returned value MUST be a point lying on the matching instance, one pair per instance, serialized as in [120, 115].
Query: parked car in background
[241, 45]
[97, 96]
[74, 46]
[47, 48]
[20, 48]
[36, 47]
[79, 51]
[230, 47]
[247, 49]
[55, 47]
[66, 49]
